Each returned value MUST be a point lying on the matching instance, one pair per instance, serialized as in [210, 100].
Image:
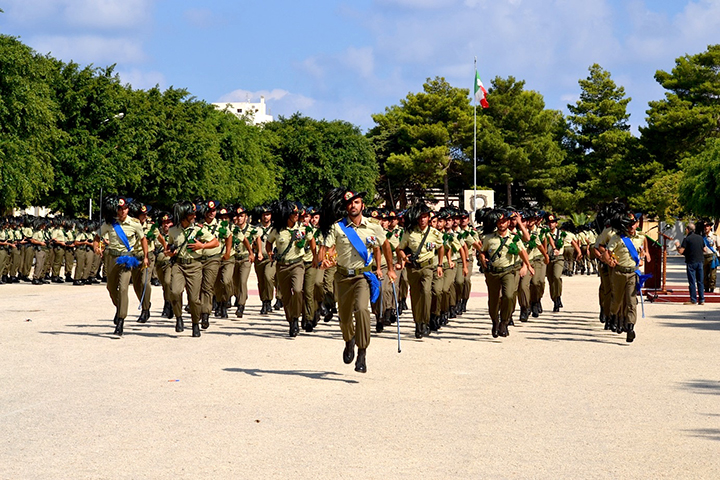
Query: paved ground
[559, 398]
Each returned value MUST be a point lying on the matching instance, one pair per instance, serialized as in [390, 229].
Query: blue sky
[349, 59]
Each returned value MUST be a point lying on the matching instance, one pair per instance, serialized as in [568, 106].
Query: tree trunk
[509, 193]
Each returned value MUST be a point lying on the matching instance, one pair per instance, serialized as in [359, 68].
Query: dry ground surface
[559, 398]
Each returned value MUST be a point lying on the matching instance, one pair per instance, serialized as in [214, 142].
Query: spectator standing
[692, 248]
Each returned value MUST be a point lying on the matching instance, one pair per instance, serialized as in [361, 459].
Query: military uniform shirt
[132, 230]
[213, 228]
[617, 246]
[183, 238]
[287, 241]
[411, 240]
[370, 233]
[492, 242]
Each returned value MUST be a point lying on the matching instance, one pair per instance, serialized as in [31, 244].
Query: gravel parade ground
[559, 398]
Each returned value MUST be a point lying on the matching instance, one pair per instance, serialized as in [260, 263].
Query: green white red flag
[480, 92]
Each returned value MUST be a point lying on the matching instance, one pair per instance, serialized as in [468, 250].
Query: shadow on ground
[314, 375]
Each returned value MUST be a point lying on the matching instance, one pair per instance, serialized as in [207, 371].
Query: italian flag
[480, 92]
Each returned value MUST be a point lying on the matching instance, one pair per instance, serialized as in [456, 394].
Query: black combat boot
[360, 365]
[196, 330]
[119, 326]
[179, 325]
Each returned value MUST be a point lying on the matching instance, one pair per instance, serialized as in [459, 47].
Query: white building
[255, 112]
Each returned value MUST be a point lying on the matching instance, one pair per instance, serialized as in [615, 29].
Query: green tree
[422, 142]
[317, 155]
[700, 184]
[609, 162]
[679, 125]
[28, 132]
[518, 142]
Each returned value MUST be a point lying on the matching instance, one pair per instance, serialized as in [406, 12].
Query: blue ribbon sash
[127, 261]
[359, 245]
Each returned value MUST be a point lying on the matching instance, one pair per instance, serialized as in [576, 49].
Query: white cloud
[417, 4]
[90, 48]
[143, 80]
[88, 14]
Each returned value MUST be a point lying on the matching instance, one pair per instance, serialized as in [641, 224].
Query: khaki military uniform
[119, 275]
[187, 269]
[624, 279]
[140, 275]
[556, 266]
[223, 287]
[502, 275]
[532, 287]
[420, 276]
[605, 291]
[264, 269]
[242, 262]
[290, 268]
[353, 291]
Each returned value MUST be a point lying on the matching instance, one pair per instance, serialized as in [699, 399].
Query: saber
[145, 283]
[397, 316]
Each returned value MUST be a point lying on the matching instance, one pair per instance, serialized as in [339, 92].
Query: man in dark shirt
[692, 248]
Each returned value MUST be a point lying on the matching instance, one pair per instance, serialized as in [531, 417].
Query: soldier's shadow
[314, 375]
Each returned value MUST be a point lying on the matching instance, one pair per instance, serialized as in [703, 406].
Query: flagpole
[474, 202]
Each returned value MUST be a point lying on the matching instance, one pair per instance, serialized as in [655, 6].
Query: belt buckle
[351, 272]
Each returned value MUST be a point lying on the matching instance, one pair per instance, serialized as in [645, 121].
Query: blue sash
[367, 257]
[127, 261]
[641, 278]
[715, 262]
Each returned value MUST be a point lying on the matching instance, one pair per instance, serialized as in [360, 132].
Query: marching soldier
[187, 243]
[504, 259]
[124, 234]
[243, 236]
[625, 254]
[421, 252]
[289, 238]
[357, 241]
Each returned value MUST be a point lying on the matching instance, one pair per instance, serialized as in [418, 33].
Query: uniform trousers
[569, 256]
[210, 268]
[40, 256]
[606, 290]
[28, 255]
[624, 300]
[353, 298]
[403, 284]
[458, 285]
[4, 259]
[58, 260]
[83, 259]
[448, 293]
[240, 280]
[141, 282]
[290, 282]
[330, 293]
[224, 281]
[265, 272]
[709, 274]
[422, 288]
[163, 271]
[384, 300]
[69, 260]
[537, 282]
[554, 276]
[502, 288]
[310, 303]
[16, 257]
[117, 285]
[187, 277]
